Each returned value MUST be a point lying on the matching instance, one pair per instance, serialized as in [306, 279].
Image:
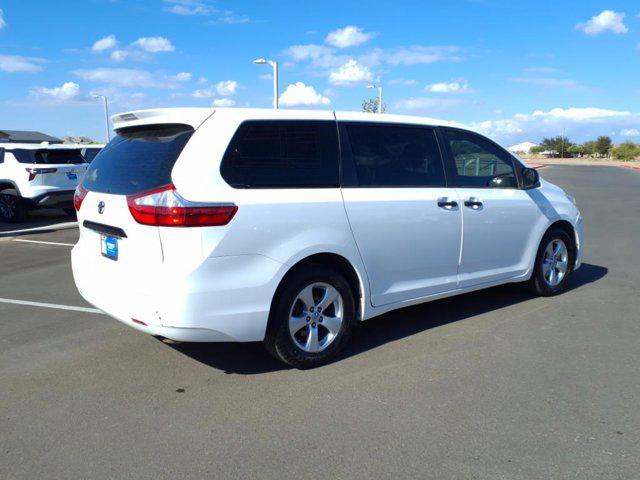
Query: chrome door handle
[446, 202]
[473, 202]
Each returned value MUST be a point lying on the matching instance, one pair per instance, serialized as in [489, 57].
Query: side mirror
[530, 178]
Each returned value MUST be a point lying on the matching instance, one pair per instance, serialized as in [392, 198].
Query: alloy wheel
[555, 262]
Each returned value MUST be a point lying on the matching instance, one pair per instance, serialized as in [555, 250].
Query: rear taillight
[163, 207]
[35, 171]
[78, 196]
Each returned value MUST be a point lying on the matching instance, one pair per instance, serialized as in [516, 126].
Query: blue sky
[515, 70]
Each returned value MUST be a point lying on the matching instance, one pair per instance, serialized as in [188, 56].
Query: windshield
[90, 153]
[49, 157]
[137, 159]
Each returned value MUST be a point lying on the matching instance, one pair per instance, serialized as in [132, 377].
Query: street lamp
[106, 114]
[379, 87]
[274, 64]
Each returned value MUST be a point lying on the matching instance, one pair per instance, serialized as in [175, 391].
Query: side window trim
[349, 176]
[451, 162]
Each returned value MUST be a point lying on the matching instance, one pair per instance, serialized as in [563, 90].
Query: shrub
[626, 151]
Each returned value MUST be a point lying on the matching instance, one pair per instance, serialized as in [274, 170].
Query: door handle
[473, 202]
[445, 202]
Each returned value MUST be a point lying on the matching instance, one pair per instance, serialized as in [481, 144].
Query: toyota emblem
[101, 207]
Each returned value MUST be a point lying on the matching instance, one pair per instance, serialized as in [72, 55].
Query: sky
[515, 70]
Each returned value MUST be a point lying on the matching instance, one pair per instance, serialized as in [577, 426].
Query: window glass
[49, 157]
[395, 156]
[480, 163]
[137, 159]
[280, 154]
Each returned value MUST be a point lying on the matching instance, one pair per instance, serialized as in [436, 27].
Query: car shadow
[44, 221]
[252, 358]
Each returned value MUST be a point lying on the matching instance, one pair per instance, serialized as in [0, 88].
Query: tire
[71, 212]
[315, 340]
[549, 263]
[12, 206]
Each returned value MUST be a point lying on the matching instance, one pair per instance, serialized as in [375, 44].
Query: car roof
[39, 146]
[196, 116]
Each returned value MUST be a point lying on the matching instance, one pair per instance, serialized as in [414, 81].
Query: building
[524, 147]
[24, 136]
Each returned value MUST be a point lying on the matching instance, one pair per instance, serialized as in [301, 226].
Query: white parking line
[43, 242]
[51, 305]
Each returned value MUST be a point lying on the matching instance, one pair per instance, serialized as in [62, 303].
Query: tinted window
[480, 163]
[49, 157]
[90, 153]
[137, 159]
[282, 154]
[386, 155]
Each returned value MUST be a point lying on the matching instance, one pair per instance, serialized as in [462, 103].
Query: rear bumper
[55, 199]
[226, 299]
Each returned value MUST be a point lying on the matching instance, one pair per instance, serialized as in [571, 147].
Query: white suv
[36, 175]
[289, 226]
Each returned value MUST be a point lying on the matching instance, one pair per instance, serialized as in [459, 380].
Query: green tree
[370, 105]
[560, 144]
[603, 145]
[589, 147]
[626, 151]
[576, 150]
[537, 149]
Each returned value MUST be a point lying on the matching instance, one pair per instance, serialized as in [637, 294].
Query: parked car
[288, 227]
[38, 176]
[90, 152]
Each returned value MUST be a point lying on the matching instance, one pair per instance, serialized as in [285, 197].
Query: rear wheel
[312, 317]
[553, 264]
[12, 207]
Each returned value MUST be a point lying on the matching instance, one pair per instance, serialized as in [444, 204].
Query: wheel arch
[569, 229]
[333, 260]
[9, 184]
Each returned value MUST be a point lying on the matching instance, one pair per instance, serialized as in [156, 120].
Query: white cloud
[348, 36]
[105, 43]
[203, 80]
[126, 77]
[607, 20]
[427, 104]
[458, 86]
[181, 77]
[630, 132]
[223, 102]
[307, 52]
[204, 8]
[403, 81]
[581, 123]
[548, 82]
[119, 55]
[224, 88]
[17, 63]
[3, 23]
[419, 54]
[300, 94]
[154, 44]
[65, 92]
[350, 73]
[266, 76]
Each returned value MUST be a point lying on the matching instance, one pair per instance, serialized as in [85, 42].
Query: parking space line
[43, 242]
[51, 305]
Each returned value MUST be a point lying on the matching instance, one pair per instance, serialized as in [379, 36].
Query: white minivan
[288, 227]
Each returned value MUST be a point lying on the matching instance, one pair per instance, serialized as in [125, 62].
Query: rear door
[405, 220]
[60, 169]
[139, 159]
[498, 216]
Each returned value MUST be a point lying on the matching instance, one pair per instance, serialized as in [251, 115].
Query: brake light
[164, 207]
[78, 196]
[35, 171]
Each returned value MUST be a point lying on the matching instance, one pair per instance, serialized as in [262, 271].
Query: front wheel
[553, 264]
[12, 208]
[312, 317]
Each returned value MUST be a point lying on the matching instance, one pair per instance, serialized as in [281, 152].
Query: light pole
[379, 87]
[106, 114]
[274, 64]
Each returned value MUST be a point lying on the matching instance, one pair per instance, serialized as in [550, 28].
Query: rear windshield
[137, 159]
[49, 157]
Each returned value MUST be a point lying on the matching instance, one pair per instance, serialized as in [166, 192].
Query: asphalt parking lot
[494, 384]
